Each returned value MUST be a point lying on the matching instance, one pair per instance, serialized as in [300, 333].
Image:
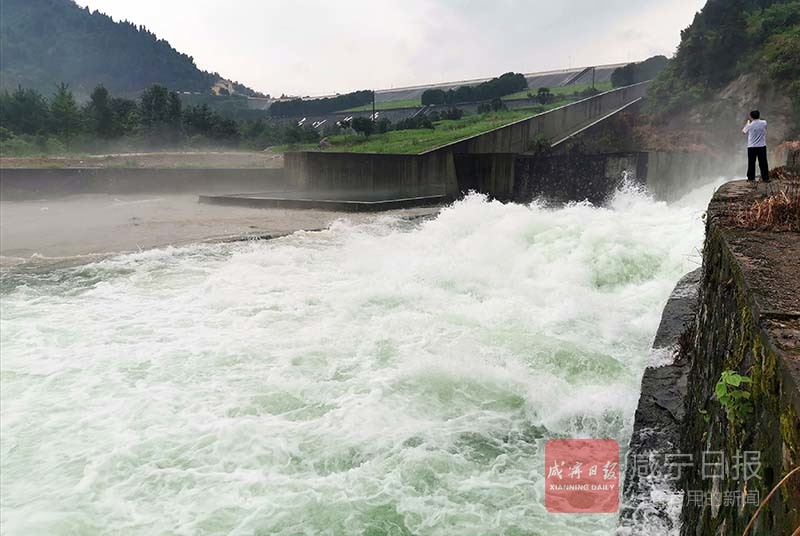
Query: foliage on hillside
[495, 88]
[638, 71]
[729, 38]
[45, 42]
[300, 107]
[33, 124]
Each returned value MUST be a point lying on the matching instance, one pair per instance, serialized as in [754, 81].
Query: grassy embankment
[421, 140]
[560, 91]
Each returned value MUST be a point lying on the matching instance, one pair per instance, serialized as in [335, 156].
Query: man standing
[756, 130]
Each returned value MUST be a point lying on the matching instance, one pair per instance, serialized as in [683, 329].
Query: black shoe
[766, 181]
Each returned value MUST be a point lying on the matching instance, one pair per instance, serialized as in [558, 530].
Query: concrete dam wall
[565, 178]
[435, 170]
[593, 177]
[406, 174]
[553, 125]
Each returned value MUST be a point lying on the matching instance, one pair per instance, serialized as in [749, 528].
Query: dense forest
[729, 38]
[45, 42]
[35, 124]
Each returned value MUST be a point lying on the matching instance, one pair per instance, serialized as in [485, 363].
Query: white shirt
[756, 131]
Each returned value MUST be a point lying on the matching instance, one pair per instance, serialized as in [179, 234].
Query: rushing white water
[381, 378]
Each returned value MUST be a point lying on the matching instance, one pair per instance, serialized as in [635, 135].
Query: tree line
[300, 107]
[495, 88]
[32, 123]
[366, 126]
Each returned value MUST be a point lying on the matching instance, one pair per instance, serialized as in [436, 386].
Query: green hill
[729, 39]
[44, 42]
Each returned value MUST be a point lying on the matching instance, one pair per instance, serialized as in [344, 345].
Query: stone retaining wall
[748, 321]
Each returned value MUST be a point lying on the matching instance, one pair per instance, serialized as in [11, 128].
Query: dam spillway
[386, 377]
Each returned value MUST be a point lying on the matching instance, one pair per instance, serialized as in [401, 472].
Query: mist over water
[388, 377]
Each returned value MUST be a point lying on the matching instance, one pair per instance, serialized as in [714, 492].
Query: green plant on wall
[732, 394]
[540, 145]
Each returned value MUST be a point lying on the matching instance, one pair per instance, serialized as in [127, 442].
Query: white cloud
[318, 47]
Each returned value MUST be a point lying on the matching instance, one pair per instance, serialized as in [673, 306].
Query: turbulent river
[390, 377]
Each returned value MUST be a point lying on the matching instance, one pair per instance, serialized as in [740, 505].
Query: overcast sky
[314, 47]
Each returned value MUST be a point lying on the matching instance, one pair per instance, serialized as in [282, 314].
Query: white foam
[369, 376]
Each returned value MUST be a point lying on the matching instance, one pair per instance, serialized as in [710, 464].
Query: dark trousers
[759, 153]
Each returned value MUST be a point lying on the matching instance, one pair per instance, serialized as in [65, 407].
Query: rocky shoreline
[739, 313]
[649, 497]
